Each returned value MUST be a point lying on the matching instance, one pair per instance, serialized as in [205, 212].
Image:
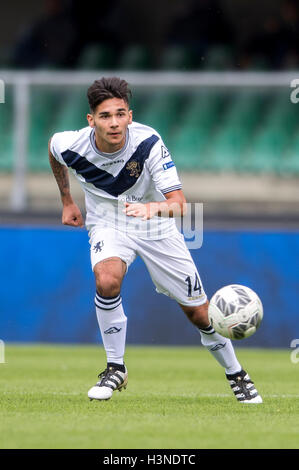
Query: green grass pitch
[177, 398]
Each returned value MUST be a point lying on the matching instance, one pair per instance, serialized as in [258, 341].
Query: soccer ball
[235, 311]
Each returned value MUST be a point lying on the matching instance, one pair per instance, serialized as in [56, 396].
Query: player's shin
[113, 325]
[221, 348]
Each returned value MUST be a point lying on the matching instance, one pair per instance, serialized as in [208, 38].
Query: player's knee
[108, 285]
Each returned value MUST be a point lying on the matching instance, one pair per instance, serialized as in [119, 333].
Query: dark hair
[107, 88]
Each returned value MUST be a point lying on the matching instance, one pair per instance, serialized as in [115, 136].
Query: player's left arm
[174, 206]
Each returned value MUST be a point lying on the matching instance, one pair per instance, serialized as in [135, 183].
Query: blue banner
[47, 288]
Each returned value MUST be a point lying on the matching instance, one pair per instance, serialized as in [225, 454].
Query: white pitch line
[264, 395]
[206, 395]
[41, 392]
[282, 396]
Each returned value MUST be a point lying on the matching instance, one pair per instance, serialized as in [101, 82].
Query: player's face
[110, 121]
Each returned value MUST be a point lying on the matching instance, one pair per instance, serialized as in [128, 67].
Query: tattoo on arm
[60, 173]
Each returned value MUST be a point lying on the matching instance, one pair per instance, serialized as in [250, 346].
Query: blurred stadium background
[214, 78]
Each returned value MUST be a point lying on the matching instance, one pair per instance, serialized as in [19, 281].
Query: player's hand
[145, 211]
[71, 215]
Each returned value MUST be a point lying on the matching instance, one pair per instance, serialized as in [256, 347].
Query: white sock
[113, 325]
[221, 348]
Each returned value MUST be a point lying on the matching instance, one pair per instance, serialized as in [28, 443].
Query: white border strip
[2, 91]
[153, 79]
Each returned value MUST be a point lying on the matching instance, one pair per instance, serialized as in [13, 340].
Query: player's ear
[130, 116]
[90, 120]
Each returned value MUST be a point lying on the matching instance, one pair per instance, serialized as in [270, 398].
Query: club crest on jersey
[134, 168]
[98, 246]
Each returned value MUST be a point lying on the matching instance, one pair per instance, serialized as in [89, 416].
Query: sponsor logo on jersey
[134, 168]
[113, 163]
[164, 152]
[98, 246]
[132, 198]
[112, 330]
[168, 165]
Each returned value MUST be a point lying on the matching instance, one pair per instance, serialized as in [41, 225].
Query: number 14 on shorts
[196, 287]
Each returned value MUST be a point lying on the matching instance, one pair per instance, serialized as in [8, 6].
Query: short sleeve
[162, 169]
[60, 142]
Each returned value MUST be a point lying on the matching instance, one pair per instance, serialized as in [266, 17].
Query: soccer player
[132, 194]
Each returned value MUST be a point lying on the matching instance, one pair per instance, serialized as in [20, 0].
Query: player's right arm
[71, 214]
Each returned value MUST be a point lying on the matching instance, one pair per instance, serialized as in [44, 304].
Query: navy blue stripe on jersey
[101, 179]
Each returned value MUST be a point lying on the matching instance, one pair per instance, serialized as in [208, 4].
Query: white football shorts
[168, 261]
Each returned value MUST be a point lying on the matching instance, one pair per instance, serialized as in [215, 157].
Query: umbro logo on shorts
[112, 330]
[98, 246]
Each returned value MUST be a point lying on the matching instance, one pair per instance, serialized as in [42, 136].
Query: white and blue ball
[235, 311]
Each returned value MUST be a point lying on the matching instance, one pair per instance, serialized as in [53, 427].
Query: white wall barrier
[23, 81]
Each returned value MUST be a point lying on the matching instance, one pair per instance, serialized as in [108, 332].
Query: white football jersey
[142, 171]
